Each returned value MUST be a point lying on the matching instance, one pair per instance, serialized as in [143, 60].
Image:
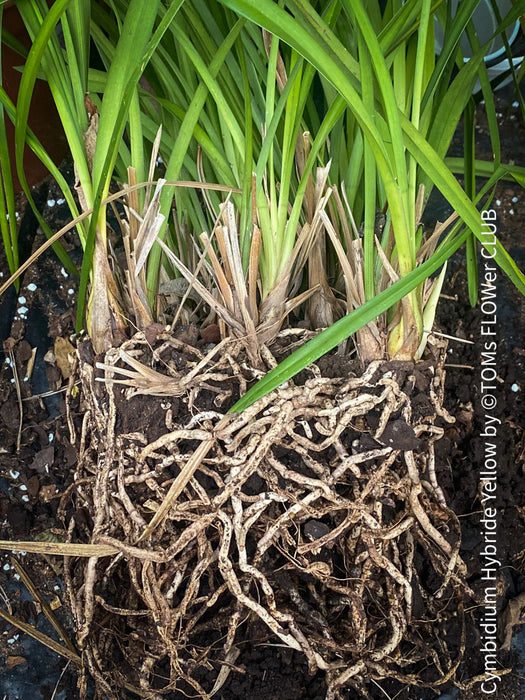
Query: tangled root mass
[314, 519]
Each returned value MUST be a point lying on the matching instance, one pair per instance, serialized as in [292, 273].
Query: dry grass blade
[220, 277]
[370, 342]
[280, 73]
[149, 229]
[182, 480]
[153, 162]
[255, 251]
[322, 307]
[104, 309]
[200, 263]
[385, 262]
[62, 549]
[142, 378]
[30, 364]
[297, 301]
[46, 608]
[43, 638]
[135, 288]
[348, 209]
[420, 205]
[230, 238]
[206, 296]
[8, 346]
[429, 246]
[353, 299]
[310, 231]
[225, 671]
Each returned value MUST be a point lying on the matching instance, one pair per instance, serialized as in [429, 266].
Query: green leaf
[469, 135]
[450, 188]
[134, 48]
[128, 64]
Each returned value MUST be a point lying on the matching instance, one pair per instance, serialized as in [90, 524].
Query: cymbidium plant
[382, 115]
[239, 107]
[328, 125]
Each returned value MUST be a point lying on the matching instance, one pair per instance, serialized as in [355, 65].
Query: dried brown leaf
[64, 350]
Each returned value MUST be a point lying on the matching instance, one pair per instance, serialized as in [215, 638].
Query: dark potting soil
[33, 475]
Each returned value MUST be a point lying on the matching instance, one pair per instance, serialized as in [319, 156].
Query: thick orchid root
[314, 518]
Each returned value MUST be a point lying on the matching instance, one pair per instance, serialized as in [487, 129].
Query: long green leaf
[450, 188]
[7, 195]
[134, 49]
[25, 92]
[126, 68]
[469, 136]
